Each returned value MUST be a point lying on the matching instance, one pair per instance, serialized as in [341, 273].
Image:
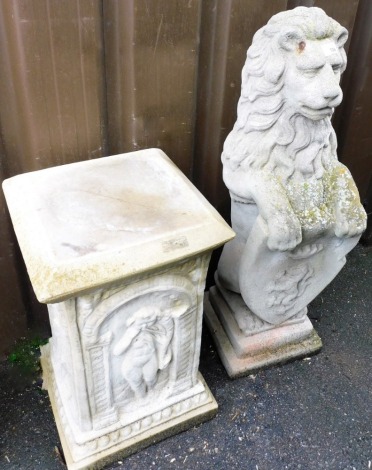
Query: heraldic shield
[279, 285]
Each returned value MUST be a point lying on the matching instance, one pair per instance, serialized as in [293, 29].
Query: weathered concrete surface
[309, 414]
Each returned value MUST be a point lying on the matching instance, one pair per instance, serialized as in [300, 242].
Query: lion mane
[267, 133]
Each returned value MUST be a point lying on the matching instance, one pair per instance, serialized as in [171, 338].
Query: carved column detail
[101, 395]
[186, 330]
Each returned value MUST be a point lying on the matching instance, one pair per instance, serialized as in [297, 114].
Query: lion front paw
[284, 233]
[352, 223]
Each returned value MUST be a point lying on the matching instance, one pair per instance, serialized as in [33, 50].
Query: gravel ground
[310, 414]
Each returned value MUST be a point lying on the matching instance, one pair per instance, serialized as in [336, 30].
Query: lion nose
[331, 95]
[331, 89]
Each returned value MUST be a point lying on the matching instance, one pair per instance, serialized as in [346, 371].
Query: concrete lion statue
[294, 207]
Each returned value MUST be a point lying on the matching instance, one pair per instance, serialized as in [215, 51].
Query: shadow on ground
[311, 414]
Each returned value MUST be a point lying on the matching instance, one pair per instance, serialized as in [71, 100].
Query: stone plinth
[118, 248]
[246, 343]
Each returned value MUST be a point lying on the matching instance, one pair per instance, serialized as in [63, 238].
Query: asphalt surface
[310, 414]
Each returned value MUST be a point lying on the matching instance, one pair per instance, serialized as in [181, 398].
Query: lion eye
[311, 72]
[336, 69]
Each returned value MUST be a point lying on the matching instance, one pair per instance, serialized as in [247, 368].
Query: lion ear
[289, 40]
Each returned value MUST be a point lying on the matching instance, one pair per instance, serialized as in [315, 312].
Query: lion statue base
[294, 207]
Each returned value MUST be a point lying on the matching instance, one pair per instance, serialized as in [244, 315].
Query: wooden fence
[82, 79]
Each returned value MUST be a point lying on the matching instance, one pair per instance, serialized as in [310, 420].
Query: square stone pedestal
[118, 248]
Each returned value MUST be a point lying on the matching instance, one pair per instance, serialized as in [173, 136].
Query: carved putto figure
[294, 206]
[145, 348]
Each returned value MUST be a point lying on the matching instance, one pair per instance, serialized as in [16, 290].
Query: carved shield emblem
[278, 285]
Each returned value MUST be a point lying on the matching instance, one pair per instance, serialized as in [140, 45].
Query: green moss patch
[26, 354]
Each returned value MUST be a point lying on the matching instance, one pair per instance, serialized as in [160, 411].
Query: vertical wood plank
[51, 83]
[151, 60]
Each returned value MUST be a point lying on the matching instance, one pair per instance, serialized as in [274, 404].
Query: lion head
[290, 87]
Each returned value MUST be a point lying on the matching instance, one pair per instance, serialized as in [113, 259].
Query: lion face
[312, 86]
[290, 87]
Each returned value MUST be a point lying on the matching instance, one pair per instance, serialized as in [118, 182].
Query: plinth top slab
[91, 223]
